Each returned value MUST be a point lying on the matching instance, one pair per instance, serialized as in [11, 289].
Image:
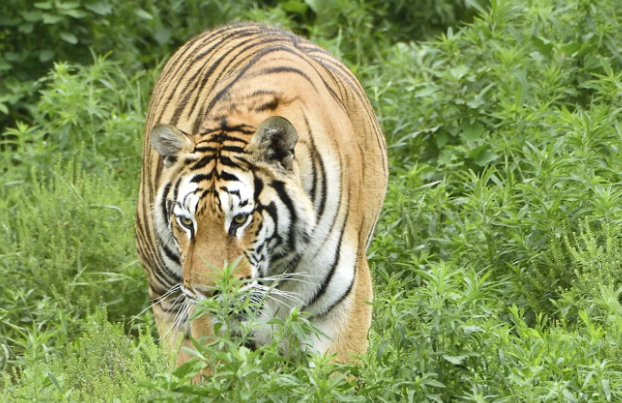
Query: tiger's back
[218, 89]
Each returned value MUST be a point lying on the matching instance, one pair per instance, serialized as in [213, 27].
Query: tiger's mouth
[242, 309]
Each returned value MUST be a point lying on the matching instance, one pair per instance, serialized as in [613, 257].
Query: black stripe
[258, 93]
[324, 286]
[258, 184]
[158, 291]
[338, 301]
[234, 149]
[331, 273]
[185, 63]
[209, 37]
[273, 213]
[347, 77]
[205, 149]
[268, 106]
[169, 253]
[149, 253]
[346, 293]
[290, 266]
[176, 189]
[227, 176]
[226, 161]
[251, 63]
[201, 177]
[221, 137]
[279, 187]
[280, 70]
[148, 248]
[322, 174]
[158, 262]
[243, 162]
[164, 205]
[203, 162]
[313, 156]
[199, 84]
[238, 128]
[226, 68]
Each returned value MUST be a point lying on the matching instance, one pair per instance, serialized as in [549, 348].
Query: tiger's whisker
[155, 302]
[281, 293]
[288, 279]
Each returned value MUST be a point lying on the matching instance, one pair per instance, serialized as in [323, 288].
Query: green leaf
[314, 5]
[51, 18]
[426, 91]
[100, 7]
[459, 71]
[13, 57]
[544, 46]
[485, 157]
[143, 14]
[46, 55]
[4, 109]
[55, 382]
[474, 152]
[472, 329]
[190, 367]
[456, 360]
[26, 28]
[270, 359]
[475, 4]
[605, 384]
[442, 138]
[4, 65]
[571, 48]
[69, 5]
[69, 37]
[44, 5]
[294, 6]
[433, 382]
[76, 13]
[32, 16]
[8, 22]
[162, 35]
[472, 131]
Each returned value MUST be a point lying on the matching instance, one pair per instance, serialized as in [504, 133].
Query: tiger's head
[227, 196]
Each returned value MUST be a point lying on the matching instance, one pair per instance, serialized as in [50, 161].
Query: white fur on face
[237, 200]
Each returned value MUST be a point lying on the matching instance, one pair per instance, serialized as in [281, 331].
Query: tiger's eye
[187, 222]
[240, 219]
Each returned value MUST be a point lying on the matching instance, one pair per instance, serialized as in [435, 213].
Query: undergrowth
[497, 262]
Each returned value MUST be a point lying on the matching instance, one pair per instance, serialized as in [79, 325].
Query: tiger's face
[222, 200]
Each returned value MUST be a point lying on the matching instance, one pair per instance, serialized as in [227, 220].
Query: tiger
[260, 144]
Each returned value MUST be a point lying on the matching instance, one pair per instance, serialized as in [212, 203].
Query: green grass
[497, 262]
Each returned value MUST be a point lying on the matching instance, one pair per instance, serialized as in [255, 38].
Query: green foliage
[34, 34]
[59, 254]
[101, 365]
[497, 260]
[142, 33]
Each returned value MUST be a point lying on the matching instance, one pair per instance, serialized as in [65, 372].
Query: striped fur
[206, 166]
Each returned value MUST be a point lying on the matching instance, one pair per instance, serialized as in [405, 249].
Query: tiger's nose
[206, 292]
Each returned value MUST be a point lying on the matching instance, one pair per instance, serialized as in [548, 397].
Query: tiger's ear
[274, 142]
[168, 141]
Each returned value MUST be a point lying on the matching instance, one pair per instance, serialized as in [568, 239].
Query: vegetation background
[498, 259]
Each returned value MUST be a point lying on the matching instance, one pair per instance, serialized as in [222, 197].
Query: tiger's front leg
[348, 325]
[172, 339]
